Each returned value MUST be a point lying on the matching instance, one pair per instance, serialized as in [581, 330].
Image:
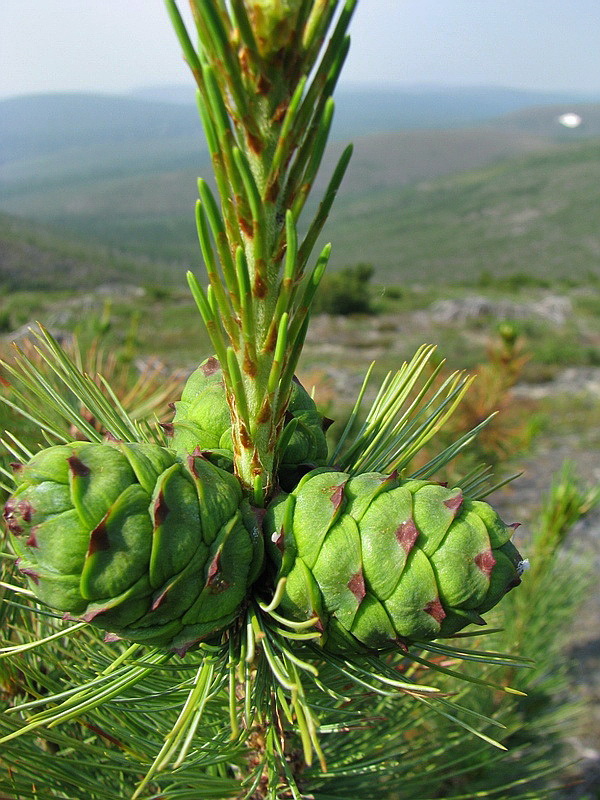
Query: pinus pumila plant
[269, 606]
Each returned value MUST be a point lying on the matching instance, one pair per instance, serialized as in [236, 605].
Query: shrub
[346, 292]
[5, 321]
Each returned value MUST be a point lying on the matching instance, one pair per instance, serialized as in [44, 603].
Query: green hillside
[536, 215]
[146, 207]
[421, 206]
[529, 214]
[120, 173]
[544, 121]
[32, 257]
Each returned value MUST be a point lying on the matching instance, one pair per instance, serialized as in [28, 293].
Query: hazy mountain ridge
[32, 257]
[125, 182]
[384, 108]
[533, 214]
[545, 121]
[35, 125]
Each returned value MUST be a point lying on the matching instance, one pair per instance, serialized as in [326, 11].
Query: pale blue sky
[117, 45]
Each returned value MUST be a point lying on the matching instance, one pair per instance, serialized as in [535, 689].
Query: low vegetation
[347, 291]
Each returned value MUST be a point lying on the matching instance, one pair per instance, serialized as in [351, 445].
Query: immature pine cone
[128, 538]
[381, 562]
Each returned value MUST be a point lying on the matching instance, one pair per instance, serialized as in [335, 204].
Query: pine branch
[265, 84]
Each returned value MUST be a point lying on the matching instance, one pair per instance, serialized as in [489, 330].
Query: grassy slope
[536, 214]
[147, 208]
[426, 205]
[32, 257]
[533, 214]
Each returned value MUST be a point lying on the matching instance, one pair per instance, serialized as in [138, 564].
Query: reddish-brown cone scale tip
[161, 510]
[77, 467]
[99, 538]
[214, 568]
[455, 502]
[91, 615]
[407, 534]
[213, 577]
[210, 366]
[277, 538]
[486, 562]
[7, 513]
[11, 523]
[14, 527]
[26, 510]
[159, 600]
[435, 610]
[168, 428]
[337, 495]
[32, 541]
[191, 460]
[31, 573]
[356, 584]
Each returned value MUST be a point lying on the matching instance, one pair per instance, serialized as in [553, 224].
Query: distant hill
[33, 126]
[149, 210]
[544, 121]
[120, 174]
[362, 110]
[34, 258]
[534, 215]
[38, 125]
[397, 159]
[527, 214]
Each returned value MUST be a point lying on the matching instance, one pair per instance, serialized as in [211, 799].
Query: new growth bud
[273, 23]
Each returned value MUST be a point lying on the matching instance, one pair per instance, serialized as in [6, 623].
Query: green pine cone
[382, 562]
[128, 538]
[202, 421]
